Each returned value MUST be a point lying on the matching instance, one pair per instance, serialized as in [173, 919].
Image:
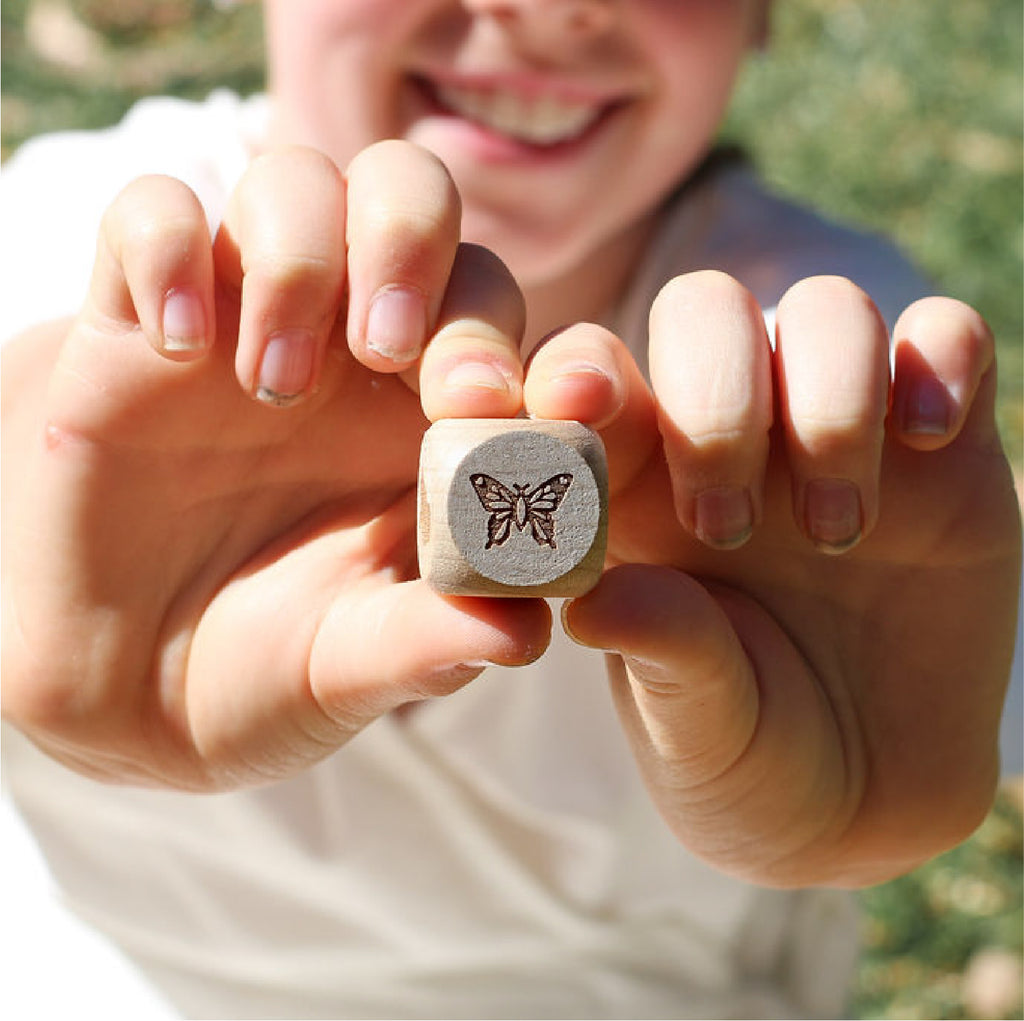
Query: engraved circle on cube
[542, 520]
[512, 507]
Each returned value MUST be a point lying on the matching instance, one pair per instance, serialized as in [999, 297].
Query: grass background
[903, 117]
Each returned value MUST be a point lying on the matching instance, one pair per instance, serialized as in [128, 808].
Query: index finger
[472, 367]
[402, 232]
[585, 372]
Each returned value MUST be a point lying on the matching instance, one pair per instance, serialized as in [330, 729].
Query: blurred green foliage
[904, 118]
[926, 931]
[82, 63]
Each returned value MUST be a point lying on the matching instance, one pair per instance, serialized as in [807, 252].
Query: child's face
[563, 122]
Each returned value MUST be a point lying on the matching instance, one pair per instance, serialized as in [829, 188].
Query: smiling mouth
[540, 120]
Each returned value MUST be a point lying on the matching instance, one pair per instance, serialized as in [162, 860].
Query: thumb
[736, 741]
[378, 648]
[687, 695]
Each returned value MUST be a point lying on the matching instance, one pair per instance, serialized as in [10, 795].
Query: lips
[532, 116]
[540, 120]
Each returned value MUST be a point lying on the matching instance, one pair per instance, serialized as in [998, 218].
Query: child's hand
[203, 589]
[816, 609]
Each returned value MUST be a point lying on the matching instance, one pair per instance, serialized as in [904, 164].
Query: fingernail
[477, 376]
[455, 673]
[592, 389]
[574, 371]
[184, 322]
[572, 636]
[396, 325]
[287, 367]
[927, 408]
[566, 626]
[833, 514]
[724, 517]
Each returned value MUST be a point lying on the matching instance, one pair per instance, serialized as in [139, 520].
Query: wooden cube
[512, 507]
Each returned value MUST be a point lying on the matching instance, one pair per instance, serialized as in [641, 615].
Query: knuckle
[947, 322]
[832, 307]
[286, 195]
[403, 195]
[407, 232]
[153, 213]
[406, 224]
[723, 429]
[167, 239]
[833, 445]
[154, 189]
[839, 410]
[268, 168]
[705, 280]
[826, 427]
[289, 271]
[698, 293]
[396, 157]
[824, 289]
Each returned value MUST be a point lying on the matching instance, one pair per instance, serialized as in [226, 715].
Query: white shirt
[490, 854]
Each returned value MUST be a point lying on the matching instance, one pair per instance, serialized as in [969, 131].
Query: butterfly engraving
[519, 507]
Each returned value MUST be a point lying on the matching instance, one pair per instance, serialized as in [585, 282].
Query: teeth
[541, 121]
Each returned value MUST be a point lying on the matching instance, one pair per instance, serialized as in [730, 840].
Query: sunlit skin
[209, 515]
[568, 220]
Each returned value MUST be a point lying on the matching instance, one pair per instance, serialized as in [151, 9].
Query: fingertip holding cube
[512, 507]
